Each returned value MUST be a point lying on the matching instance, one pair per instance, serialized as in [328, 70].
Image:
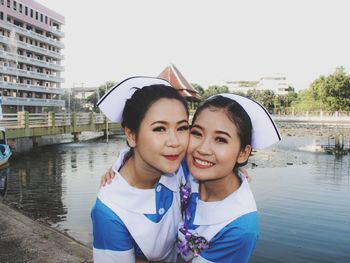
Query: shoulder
[235, 242]
[245, 224]
[109, 231]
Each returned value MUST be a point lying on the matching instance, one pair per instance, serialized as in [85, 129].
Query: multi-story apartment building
[278, 84]
[30, 57]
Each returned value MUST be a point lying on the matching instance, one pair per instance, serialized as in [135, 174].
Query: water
[303, 196]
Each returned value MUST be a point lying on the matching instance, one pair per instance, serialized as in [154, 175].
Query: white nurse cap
[113, 102]
[265, 131]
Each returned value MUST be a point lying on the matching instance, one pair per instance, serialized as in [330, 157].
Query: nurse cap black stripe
[113, 102]
[265, 132]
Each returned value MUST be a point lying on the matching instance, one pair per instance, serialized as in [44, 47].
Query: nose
[204, 147]
[173, 140]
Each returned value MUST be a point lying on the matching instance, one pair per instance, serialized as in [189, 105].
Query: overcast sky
[208, 41]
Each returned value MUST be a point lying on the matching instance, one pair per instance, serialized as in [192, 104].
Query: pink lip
[200, 166]
[171, 157]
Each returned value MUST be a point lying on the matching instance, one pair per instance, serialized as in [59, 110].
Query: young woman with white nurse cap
[135, 218]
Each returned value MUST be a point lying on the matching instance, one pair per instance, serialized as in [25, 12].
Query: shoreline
[299, 129]
[24, 240]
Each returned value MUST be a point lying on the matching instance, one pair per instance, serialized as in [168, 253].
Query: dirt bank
[25, 240]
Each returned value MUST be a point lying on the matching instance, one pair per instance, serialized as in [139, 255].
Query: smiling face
[161, 142]
[214, 147]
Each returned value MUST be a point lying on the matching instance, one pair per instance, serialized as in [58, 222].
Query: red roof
[178, 81]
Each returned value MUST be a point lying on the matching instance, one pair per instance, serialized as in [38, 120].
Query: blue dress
[129, 222]
[224, 231]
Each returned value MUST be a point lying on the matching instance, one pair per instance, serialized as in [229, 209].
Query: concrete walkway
[24, 240]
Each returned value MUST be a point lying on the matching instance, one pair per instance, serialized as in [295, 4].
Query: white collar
[121, 193]
[239, 203]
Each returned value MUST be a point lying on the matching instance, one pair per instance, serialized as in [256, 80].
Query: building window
[20, 8]
[36, 15]
[1, 15]
[14, 5]
[2, 2]
[26, 10]
[45, 19]
[41, 18]
[31, 13]
[8, 3]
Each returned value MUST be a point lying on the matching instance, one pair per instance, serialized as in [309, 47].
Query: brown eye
[221, 140]
[196, 133]
[159, 129]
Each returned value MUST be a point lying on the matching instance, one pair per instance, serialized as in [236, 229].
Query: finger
[102, 181]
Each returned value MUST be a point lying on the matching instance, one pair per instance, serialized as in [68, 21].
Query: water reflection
[36, 186]
[302, 195]
[4, 172]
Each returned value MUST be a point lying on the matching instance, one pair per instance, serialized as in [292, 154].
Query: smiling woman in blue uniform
[220, 214]
[136, 216]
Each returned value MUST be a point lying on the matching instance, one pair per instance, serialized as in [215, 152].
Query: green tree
[330, 93]
[72, 104]
[265, 97]
[198, 88]
[285, 101]
[213, 90]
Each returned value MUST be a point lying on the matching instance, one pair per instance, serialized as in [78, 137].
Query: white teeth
[203, 162]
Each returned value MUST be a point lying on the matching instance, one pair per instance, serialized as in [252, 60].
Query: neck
[139, 174]
[219, 189]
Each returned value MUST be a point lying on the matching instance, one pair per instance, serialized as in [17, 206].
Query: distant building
[278, 84]
[80, 94]
[30, 56]
[178, 81]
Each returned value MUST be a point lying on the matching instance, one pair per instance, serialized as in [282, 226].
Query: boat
[5, 151]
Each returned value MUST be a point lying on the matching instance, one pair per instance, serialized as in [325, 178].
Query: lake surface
[303, 196]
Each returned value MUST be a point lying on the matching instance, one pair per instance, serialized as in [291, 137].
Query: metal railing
[28, 87]
[30, 60]
[24, 124]
[32, 101]
[49, 119]
[33, 34]
[7, 40]
[30, 74]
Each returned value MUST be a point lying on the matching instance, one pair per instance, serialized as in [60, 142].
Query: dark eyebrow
[196, 126]
[225, 133]
[220, 132]
[165, 122]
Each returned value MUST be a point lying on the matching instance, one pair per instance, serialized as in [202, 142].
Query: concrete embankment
[25, 240]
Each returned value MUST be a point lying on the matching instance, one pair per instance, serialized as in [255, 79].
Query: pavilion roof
[178, 81]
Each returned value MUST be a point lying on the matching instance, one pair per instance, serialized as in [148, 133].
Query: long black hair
[137, 106]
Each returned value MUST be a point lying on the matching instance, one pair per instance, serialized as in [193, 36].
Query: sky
[208, 41]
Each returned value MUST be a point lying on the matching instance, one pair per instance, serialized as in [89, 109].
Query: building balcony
[30, 74]
[32, 34]
[56, 31]
[30, 61]
[18, 101]
[30, 88]
[20, 44]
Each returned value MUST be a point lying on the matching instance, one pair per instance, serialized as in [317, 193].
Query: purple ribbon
[192, 243]
[185, 193]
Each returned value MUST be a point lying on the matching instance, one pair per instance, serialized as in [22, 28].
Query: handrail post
[91, 118]
[51, 119]
[23, 119]
[74, 120]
